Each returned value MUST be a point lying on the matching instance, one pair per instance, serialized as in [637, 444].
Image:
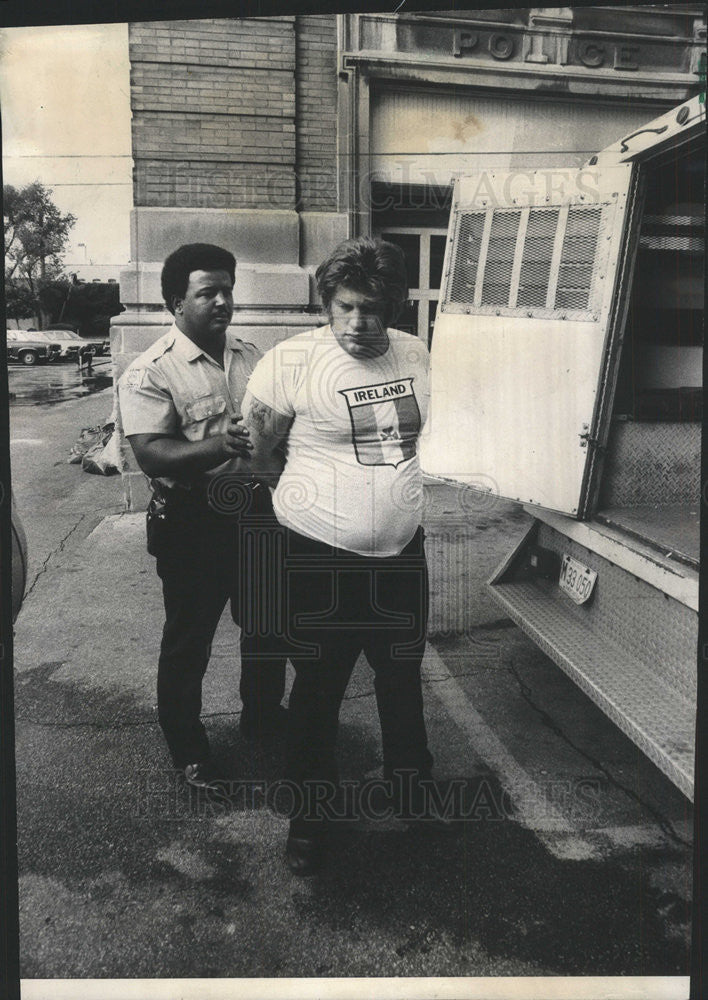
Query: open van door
[532, 386]
[528, 331]
[524, 360]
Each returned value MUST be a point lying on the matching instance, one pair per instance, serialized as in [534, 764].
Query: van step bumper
[632, 649]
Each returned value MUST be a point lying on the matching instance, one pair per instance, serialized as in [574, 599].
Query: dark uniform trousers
[203, 562]
[338, 604]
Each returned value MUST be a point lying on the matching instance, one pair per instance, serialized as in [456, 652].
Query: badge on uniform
[134, 378]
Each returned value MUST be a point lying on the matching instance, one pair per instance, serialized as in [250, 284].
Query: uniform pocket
[205, 407]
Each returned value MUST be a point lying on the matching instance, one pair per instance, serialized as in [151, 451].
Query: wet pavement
[57, 383]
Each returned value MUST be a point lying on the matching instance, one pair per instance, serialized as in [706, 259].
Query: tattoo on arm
[264, 422]
[269, 430]
[258, 415]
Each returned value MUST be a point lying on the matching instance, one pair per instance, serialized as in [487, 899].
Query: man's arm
[162, 455]
[268, 432]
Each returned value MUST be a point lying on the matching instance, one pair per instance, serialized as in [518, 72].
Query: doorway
[424, 250]
[415, 218]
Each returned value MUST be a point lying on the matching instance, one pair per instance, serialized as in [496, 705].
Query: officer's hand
[236, 439]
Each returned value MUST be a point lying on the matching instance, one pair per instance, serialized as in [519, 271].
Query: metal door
[528, 331]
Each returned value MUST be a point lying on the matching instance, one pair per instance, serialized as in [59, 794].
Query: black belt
[201, 488]
[222, 494]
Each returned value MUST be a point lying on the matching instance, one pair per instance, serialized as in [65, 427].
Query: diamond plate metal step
[658, 718]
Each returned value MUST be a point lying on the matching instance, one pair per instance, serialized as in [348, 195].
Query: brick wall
[316, 88]
[194, 183]
[213, 106]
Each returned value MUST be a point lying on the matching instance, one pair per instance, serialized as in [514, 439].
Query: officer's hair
[371, 266]
[192, 257]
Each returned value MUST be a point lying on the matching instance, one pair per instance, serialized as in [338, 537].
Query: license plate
[576, 580]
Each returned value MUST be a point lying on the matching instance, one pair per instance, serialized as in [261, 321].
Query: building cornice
[567, 80]
[547, 51]
[547, 23]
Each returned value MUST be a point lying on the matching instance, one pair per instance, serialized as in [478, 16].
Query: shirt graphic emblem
[385, 421]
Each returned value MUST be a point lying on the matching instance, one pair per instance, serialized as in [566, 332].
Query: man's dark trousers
[338, 604]
[199, 560]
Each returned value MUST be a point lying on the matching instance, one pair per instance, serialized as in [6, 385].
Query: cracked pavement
[58, 503]
[574, 858]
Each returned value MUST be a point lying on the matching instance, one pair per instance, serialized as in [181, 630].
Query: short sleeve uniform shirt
[174, 388]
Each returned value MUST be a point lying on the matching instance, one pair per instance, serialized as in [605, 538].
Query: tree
[19, 301]
[88, 306]
[52, 296]
[36, 234]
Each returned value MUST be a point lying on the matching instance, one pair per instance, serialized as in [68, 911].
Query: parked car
[72, 345]
[101, 347]
[31, 348]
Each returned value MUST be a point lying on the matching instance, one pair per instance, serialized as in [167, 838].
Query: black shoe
[204, 777]
[263, 725]
[304, 854]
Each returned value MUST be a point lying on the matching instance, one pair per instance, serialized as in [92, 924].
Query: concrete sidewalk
[122, 876]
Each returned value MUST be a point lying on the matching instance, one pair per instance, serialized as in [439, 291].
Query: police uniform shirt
[352, 476]
[174, 388]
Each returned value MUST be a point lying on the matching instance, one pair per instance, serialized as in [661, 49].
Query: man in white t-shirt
[334, 416]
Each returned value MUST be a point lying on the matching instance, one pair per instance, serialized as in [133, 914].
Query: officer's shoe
[261, 725]
[204, 777]
[305, 847]
[304, 855]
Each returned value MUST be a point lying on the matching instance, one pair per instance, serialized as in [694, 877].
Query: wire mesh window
[500, 258]
[551, 273]
[535, 271]
[469, 241]
[578, 258]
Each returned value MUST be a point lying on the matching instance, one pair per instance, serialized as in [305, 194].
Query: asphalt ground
[574, 858]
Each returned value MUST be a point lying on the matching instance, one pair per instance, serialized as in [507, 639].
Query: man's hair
[192, 257]
[371, 266]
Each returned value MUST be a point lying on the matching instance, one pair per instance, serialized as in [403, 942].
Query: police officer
[180, 407]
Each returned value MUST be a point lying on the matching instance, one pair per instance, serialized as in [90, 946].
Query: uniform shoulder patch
[133, 378]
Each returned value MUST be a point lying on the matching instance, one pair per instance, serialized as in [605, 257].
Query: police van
[566, 374]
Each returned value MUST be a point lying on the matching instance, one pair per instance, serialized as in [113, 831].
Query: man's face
[357, 323]
[207, 307]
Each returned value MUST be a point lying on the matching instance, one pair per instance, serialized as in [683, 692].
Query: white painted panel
[509, 401]
[422, 137]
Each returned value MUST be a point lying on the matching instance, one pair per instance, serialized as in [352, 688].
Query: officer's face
[207, 306]
[357, 323]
